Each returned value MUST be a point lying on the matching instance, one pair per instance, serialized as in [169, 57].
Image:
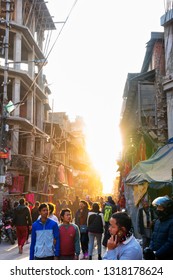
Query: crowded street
[10, 252]
[86, 140]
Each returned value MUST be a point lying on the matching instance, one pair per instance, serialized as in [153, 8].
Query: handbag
[83, 228]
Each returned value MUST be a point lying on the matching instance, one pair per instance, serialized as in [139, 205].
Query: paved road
[10, 252]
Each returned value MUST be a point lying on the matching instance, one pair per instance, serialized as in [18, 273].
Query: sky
[101, 42]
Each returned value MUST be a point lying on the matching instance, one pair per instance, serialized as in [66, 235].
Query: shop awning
[157, 170]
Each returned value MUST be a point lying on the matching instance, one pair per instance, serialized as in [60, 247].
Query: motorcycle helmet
[166, 203]
[163, 201]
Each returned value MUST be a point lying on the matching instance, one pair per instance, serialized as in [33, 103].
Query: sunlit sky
[101, 42]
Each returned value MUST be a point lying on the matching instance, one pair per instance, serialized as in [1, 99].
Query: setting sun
[104, 149]
[88, 68]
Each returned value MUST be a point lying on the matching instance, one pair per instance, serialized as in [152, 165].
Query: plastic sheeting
[157, 170]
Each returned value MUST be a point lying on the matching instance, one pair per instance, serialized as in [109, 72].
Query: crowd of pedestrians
[66, 230]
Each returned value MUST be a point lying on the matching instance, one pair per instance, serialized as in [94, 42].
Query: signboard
[3, 155]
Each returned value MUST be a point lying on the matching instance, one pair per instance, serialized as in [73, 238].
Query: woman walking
[95, 225]
[81, 220]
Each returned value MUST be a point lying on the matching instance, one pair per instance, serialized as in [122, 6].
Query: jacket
[22, 216]
[81, 217]
[130, 249]
[34, 214]
[42, 239]
[69, 240]
[162, 238]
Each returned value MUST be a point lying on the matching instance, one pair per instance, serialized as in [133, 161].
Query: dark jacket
[162, 238]
[81, 217]
[35, 214]
[22, 216]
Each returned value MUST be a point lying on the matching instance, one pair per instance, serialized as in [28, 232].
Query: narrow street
[10, 252]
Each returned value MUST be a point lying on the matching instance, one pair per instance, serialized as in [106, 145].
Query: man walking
[69, 237]
[22, 220]
[45, 242]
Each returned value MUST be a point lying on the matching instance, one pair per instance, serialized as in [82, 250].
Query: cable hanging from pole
[56, 39]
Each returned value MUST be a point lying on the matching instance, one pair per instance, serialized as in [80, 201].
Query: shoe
[86, 256]
[99, 257]
[83, 258]
[90, 257]
[27, 242]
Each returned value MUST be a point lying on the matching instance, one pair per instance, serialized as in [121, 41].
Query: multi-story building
[78, 171]
[167, 23]
[144, 114]
[27, 89]
[147, 118]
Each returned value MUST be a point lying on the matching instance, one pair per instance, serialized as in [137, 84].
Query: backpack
[96, 225]
[107, 213]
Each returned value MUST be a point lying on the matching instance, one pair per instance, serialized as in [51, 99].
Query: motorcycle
[7, 232]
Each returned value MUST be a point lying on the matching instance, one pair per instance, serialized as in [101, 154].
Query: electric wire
[33, 83]
[53, 45]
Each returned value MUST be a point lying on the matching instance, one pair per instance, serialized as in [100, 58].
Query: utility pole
[4, 150]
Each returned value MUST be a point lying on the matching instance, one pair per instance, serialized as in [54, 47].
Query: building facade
[22, 58]
[144, 112]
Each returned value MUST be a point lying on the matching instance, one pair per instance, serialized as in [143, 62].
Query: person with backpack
[95, 223]
[108, 209]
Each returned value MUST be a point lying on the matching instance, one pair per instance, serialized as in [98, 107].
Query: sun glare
[104, 150]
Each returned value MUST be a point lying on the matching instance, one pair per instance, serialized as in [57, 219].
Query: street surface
[10, 252]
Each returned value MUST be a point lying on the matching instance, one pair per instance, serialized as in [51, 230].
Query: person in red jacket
[69, 237]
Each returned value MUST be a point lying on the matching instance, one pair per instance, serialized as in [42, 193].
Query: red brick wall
[158, 59]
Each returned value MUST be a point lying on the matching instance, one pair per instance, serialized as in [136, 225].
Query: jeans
[106, 234]
[98, 237]
[84, 242]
